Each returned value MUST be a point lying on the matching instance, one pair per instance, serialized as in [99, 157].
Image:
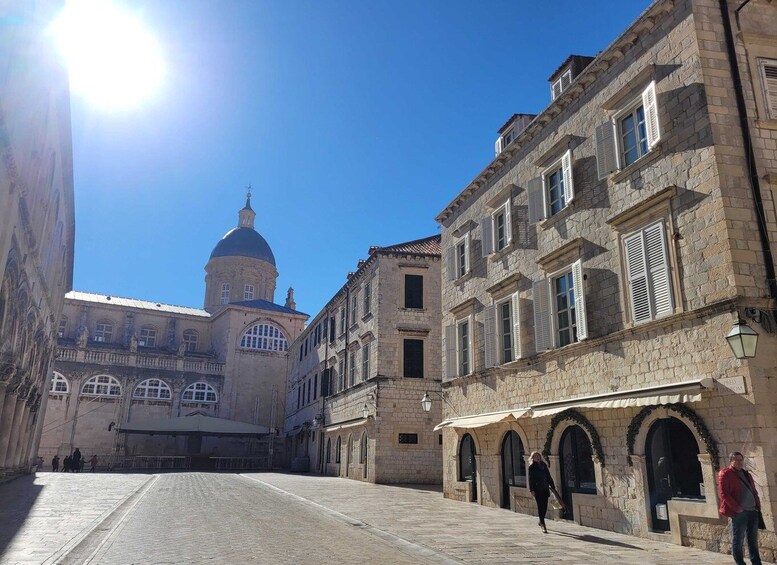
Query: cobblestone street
[276, 518]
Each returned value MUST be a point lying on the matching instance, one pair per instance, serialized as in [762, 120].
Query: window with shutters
[414, 291]
[365, 361]
[560, 84]
[463, 345]
[354, 307]
[504, 140]
[458, 258]
[368, 298]
[458, 348]
[553, 191]
[352, 367]
[502, 331]
[413, 358]
[497, 230]
[343, 320]
[341, 374]
[559, 309]
[648, 276]
[768, 68]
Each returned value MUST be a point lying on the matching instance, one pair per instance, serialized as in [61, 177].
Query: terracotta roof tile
[426, 246]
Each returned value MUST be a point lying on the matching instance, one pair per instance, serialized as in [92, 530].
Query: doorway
[513, 465]
[467, 464]
[577, 466]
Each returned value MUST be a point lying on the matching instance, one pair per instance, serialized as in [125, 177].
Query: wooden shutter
[636, 273]
[466, 253]
[770, 87]
[517, 353]
[580, 316]
[606, 161]
[450, 351]
[489, 326]
[536, 192]
[487, 226]
[658, 270]
[498, 146]
[450, 259]
[650, 104]
[566, 80]
[508, 223]
[542, 335]
[566, 171]
[555, 89]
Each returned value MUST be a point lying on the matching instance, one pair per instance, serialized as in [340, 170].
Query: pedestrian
[40, 463]
[66, 464]
[81, 464]
[75, 462]
[93, 462]
[540, 485]
[55, 464]
[739, 501]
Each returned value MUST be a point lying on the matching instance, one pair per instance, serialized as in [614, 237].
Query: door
[513, 465]
[577, 466]
[467, 464]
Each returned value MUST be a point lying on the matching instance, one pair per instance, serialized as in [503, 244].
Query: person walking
[66, 464]
[93, 463]
[739, 501]
[540, 485]
[55, 464]
[75, 461]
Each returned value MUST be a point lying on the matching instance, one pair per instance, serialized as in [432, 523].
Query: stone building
[140, 383]
[37, 225]
[359, 371]
[594, 269]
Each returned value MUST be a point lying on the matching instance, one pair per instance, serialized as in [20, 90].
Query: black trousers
[542, 503]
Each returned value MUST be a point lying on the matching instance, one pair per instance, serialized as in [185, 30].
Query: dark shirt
[539, 478]
[747, 500]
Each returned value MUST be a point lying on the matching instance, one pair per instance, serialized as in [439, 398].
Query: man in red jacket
[739, 501]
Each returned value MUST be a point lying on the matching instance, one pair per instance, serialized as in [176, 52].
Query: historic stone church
[149, 385]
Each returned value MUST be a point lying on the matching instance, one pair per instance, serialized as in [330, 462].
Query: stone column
[10, 451]
[14, 458]
[6, 425]
[39, 417]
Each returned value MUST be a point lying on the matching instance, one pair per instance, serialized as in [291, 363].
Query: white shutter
[542, 335]
[450, 259]
[536, 192]
[466, 253]
[770, 87]
[508, 223]
[517, 353]
[498, 146]
[555, 89]
[650, 104]
[658, 270]
[450, 351]
[580, 316]
[636, 272]
[566, 80]
[566, 171]
[606, 161]
[489, 327]
[487, 226]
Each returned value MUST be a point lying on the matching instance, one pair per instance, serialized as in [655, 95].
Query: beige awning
[336, 427]
[687, 391]
[480, 420]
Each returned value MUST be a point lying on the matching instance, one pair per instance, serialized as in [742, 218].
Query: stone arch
[568, 418]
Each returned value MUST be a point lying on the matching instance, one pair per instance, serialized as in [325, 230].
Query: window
[338, 445]
[505, 139]
[190, 340]
[199, 392]
[59, 384]
[62, 329]
[550, 193]
[152, 389]
[366, 361]
[343, 320]
[467, 464]
[101, 385]
[315, 386]
[332, 330]
[354, 307]
[413, 362]
[367, 298]
[458, 259]
[147, 337]
[576, 460]
[502, 332]
[513, 466]
[299, 397]
[633, 133]
[458, 344]
[248, 292]
[264, 337]
[408, 438]
[352, 368]
[559, 309]
[225, 293]
[329, 450]
[497, 230]
[647, 271]
[308, 384]
[414, 291]
[103, 332]
[769, 80]
[560, 84]
[341, 373]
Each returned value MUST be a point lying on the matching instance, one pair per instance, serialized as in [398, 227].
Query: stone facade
[37, 224]
[620, 292]
[361, 417]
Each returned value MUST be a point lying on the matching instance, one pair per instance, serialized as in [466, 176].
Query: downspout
[755, 185]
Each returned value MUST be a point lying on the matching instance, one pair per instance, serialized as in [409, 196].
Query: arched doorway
[348, 455]
[363, 455]
[577, 466]
[338, 446]
[673, 467]
[513, 465]
[467, 464]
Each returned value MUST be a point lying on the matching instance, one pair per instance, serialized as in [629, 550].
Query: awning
[294, 432]
[193, 425]
[687, 391]
[480, 420]
[336, 427]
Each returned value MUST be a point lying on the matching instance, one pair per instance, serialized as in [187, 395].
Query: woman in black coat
[540, 485]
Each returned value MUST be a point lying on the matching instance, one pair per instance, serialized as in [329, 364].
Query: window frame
[405, 374]
[225, 290]
[62, 327]
[560, 84]
[112, 386]
[462, 369]
[248, 292]
[272, 335]
[195, 388]
[159, 387]
[147, 337]
[354, 307]
[56, 380]
[407, 301]
[101, 335]
[190, 345]
[461, 269]
[365, 361]
[771, 109]
[367, 299]
[546, 311]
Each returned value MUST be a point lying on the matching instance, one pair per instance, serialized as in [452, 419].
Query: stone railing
[142, 360]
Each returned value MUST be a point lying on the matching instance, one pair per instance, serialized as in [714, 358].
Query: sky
[355, 122]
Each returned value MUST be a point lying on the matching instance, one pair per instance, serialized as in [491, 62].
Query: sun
[112, 59]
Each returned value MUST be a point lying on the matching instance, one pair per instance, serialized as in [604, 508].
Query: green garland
[582, 421]
[701, 428]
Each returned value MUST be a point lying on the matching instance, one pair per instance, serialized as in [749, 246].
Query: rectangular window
[408, 438]
[632, 136]
[769, 81]
[560, 84]
[497, 230]
[559, 309]
[147, 337]
[325, 328]
[647, 271]
[62, 328]
[352, 368]
[366, 361]
[354, 307]
[248, 292]
[103, 332]
[341, 374]
[564, 297]
[413, 362]
[310, 389]
[462, 257]
[367, 298]
[414, 291]
[332, 330]
[553, 191]
[343, 320]
[315, 386]
[225, 293]
[505, 332]
[502, 332]
[299, 397]
[301, 351]
[463, 348]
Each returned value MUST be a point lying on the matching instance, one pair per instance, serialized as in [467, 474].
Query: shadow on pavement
[595, 539]
[429, 488]
[17, 497]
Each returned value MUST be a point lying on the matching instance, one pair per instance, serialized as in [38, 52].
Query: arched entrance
[577, 466]
[467, 464]
[338, 447]
[363, 455]
[513, 465]
[348, 455]
[673, 467]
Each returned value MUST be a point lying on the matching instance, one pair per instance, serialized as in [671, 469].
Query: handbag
[555, 503]
[761, 523]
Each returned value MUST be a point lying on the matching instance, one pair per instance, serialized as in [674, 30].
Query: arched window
[191, 339]
[577, 464]
[147, 337]
[101, 385]
[513, 465]
[337, 450]
[103, 331]
[467, 467]
[264, 337]
[200, 392]
[152, 389]
[329, 450]
[59, 384]
[363, 449]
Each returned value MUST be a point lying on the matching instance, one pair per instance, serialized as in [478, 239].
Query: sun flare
[112, 59]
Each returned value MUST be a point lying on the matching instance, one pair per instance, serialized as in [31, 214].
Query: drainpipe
[755, 185]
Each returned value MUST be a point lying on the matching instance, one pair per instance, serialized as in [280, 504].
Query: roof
[426, 246]
[192, 424]
[266, 305]
[134, 303]
[243, 242]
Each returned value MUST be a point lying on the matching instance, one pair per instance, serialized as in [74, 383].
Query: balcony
[141, 359]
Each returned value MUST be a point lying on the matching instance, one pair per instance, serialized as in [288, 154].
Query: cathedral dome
[243, 242]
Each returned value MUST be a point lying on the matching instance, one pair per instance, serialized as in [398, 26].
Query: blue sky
[356, 123]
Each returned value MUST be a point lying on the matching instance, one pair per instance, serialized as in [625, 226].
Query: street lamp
[743, 340]
[365, 411]
[426, 402]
